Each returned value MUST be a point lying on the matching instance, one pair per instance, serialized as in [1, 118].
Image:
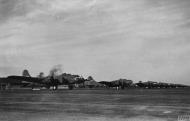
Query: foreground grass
[94, 105]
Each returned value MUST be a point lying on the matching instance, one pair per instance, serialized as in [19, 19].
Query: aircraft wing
[26, 79]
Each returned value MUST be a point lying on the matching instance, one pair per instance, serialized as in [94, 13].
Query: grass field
[94, 105]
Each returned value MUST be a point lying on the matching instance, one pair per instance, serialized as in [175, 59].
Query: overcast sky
[107, 39]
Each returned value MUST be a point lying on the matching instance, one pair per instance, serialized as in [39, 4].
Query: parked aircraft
[27, 81]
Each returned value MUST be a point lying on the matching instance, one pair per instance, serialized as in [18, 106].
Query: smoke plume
[56, 70]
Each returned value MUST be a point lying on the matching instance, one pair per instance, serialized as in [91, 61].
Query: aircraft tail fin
[25, 73]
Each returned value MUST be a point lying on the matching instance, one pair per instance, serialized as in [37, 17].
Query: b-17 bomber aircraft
[48, 82]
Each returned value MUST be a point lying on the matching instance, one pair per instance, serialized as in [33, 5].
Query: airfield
[94, 105]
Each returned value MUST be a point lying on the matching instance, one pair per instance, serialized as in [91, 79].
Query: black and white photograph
[94, 60]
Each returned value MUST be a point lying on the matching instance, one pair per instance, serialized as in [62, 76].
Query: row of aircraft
[47, 82]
